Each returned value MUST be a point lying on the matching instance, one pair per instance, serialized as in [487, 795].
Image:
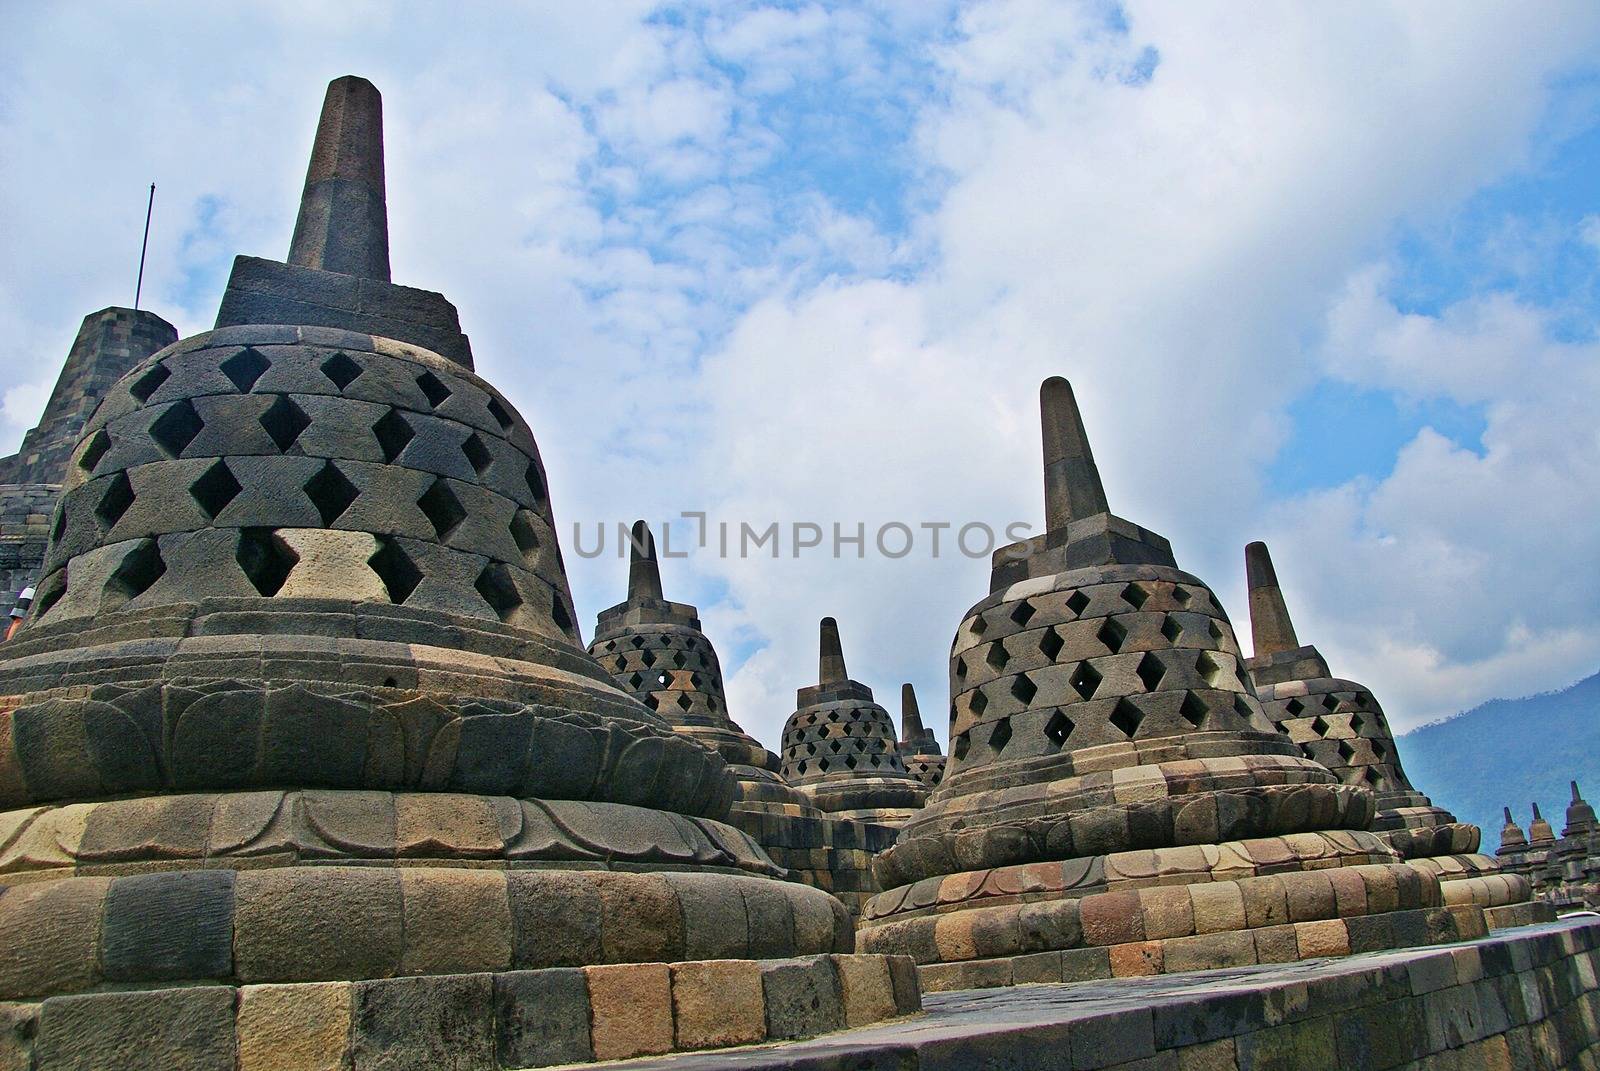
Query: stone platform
[1520, 999]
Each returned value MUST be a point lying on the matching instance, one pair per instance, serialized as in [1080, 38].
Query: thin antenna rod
[138, 287]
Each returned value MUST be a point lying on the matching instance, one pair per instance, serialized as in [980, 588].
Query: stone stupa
[301, 758]
[840, 749]
[656, 652]
[918, 746]
[1117, 802]
[1341, 725]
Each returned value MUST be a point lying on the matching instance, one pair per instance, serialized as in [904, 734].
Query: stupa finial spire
[1072, 487]
[1270, 626]
[830, 667]
[343, 224]
[911, 729]
[644, 574]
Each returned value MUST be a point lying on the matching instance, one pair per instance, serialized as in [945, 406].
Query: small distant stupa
[918, 746]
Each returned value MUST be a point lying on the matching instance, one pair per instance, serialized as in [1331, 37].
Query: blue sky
[1320, 275]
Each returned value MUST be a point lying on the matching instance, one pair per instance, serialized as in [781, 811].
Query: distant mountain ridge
[1510, 752]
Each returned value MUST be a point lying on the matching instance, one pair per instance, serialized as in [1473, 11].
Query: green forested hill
[1511, 752]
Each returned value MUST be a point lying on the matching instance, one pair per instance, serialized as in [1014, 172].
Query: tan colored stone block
[867, 989]
[1276, 944]
[1349, 892]
[1383, 893]
[51, 840]
[457, 921]
[1167, 912]
[717, 1003]
[50, 937]
[1494, 1054]
[1207, 951]
[1111, 918]
[332, 565]
[1265, 902]
[1325, 938]
[952, 936]
[1217, 905]
[1310, 896]
[433, 824]
[1135, 959]
[294, 1027]
[632, 1009]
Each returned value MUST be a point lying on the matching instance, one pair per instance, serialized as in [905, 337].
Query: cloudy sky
[1321, 274]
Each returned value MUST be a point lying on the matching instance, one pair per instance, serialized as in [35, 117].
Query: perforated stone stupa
[918, 746]
[303, 701]
[656, 652]
[1341, 725]
[1117, 802]
[839, 746]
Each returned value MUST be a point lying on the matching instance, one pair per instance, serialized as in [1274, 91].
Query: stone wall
[832, 854]
[25, 511]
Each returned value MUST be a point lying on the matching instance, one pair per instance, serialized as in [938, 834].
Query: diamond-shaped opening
[836, 746]
[962, 745]
[1319, 726]
[1242, 708]
[833, 716]
[1126, 717]
[1330, 702]
[147, 384]
[265, 558]
[523, 534]
[60, 528]
[695, 680]
[215, 488]
[176, 428]
[961, 669]
[443, 510]
[501, 416]
[1181, 595]
[1077, 602]
[1112, 634]
[1022, 614]
[1346, 751]
[535, 482]
[395, 568]
[652, 702]
[619, 665]
[1171, 629]
[1150, 671]
[140, 567]
[1050, 644]
[1193, 710]
[979, 702]
[1214, 627]
[1000, 735]
[684, 702]
[477, 454]
[94, 450]
[1085, 679]
[1294, 707]
[648, 658]
[996, 656]
[1379, 752]
[1135, 595]
[49, 592]
[495, 585]
[244, 368]
[1362, 699]
[1209, 668]
[680, 661]
[1372, 776]
[978, 626]
[851, 761]
[1023, 689]
[331, 492]
[115, 501]
[1356, 722]
[637, 641]
[1058, 728]
[285, 421]
[635, 680]
[393, 433]
[342, 369]
[435, 390]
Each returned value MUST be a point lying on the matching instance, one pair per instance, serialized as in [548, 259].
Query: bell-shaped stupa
[1540, 835]
[919, 748]
[302, 700]
[1341, 725]
[1580, 816]
[839, 747]
[1117, 802]
[656, 652]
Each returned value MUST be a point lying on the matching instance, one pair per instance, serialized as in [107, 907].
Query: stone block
[1113, 1038]
[316, 924]
[555, 918]
[1111, 918]
[172, 1029]
[719, 1002]
[1209, 951]
[542, 1017]
[174, 926]
[802, 997]
[640, 919]
[444, 1023]
[304, 1027]
[1217, 906]
[1049, 924]
[1136, 958]
[1085, 964]
[19, 1026]
[1305, 1044]
[50, 937]
[456, 921]
[1327, 937]
[1276, 944]
[631, 1008]
[907, 989]
[867, 989]
[1036, 968]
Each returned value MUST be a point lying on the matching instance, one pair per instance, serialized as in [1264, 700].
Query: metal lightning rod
[143, 246]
